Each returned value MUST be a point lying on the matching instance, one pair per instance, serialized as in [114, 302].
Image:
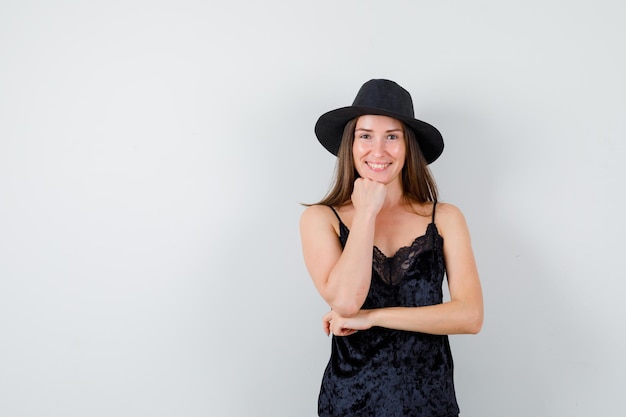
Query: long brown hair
[418, 184]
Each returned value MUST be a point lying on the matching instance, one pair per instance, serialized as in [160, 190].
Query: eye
[392, 137]
[364, 136]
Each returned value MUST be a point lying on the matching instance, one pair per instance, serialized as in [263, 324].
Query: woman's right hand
[345, 326]
[368, 195]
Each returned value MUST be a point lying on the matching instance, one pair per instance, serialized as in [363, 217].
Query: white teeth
[377, 166]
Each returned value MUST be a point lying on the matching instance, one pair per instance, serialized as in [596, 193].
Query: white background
[153, 156]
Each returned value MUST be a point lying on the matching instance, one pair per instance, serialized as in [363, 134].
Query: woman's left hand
[345, 326]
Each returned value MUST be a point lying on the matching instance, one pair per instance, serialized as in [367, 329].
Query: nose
[378, 147]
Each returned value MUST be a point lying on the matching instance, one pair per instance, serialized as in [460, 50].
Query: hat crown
[385, 95]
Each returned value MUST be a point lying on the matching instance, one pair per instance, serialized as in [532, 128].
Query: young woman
[377, 248]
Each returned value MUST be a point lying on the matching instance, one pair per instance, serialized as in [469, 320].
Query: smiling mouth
[378, 166]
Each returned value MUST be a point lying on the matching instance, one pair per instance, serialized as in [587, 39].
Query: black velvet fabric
[385, 372]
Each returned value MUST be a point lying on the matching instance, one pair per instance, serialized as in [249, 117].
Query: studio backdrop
[153, 161]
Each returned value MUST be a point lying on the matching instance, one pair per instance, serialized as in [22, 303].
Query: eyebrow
[371, 130]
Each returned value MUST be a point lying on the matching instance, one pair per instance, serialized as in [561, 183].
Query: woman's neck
[394, 196]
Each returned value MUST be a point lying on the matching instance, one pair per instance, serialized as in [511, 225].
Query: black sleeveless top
[394, 373]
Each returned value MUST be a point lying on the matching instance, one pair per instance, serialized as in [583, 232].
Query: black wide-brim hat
[384, 98]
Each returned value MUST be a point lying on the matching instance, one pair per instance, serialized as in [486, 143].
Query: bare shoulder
[447, 211]
[317, 216]
[315, 213]
[319, 231]
[450, 219]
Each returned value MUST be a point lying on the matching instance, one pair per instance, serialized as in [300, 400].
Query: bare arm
[342, 277]
[462, 314]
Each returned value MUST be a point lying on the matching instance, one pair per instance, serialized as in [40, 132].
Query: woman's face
[379, 148]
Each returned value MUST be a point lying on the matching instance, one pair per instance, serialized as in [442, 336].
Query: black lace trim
[392, 270]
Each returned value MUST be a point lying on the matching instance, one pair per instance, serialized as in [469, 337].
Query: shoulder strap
[336, 214]
[434, 234]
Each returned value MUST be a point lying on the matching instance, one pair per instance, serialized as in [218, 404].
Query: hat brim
[329, 129]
